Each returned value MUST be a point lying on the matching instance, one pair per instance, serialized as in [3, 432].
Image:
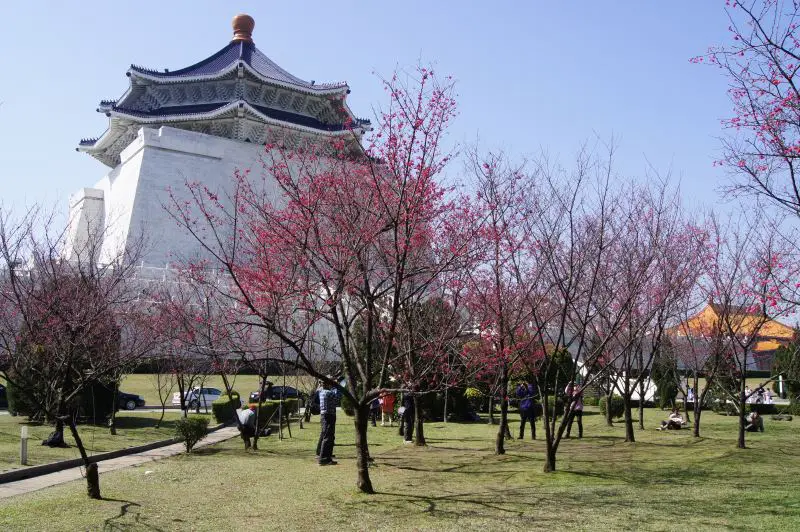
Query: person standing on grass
[574, 397]
[328, 400]
[374, 411]
[408, 416]
[247, 425]
[526, 393]
[387, 409]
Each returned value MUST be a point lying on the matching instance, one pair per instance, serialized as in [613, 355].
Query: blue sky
[531, 75]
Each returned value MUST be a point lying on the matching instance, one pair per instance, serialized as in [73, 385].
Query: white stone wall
[135, 193]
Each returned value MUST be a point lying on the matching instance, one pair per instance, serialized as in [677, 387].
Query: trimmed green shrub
[19, 404]
[347, 406]
[191, 430]
[224, 408]
[268, 411]
[591, 401]
[617, 406]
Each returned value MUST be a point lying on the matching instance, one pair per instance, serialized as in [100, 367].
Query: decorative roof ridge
[89, 141]
[178, 72]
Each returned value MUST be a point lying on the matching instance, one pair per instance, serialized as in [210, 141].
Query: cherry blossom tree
[761, 63]
[501, 285]
[655, 243]
[744, 279]
[327, 235]
[579, 309]
[65, 323]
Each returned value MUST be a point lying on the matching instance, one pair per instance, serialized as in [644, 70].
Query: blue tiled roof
[277, 114]
[232, 53]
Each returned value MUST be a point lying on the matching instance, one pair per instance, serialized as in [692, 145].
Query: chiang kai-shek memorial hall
[200, 123]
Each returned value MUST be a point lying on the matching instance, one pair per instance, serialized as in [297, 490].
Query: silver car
[197, 397]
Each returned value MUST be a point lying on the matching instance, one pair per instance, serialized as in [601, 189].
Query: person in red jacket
[387, 401]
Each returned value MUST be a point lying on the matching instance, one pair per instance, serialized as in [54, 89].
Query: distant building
[770, 334]
[200, 123]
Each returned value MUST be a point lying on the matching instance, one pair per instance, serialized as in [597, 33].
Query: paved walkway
[45, 481]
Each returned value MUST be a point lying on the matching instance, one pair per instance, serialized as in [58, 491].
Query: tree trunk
[92, 474]
[629, 436]
[502, 429]
[641, 413]
[444, 418]
[491, 410]
[696, 424]
[550, 459]
[740, 443]
[364, 484]
[641, 402]
[418, 424]
[609, 420]
[163, 411]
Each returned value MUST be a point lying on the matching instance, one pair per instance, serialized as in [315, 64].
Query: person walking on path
[247, 424]
[526, 393]
[387, 409]
[328, 400]
[574, 397]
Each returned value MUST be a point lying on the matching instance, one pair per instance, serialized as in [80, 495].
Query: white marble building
[200, 123]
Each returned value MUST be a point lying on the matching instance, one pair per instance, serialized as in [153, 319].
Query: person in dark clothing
[374, 411]
[408, 417]
[526, 393]
[573, 405]
[328, 400]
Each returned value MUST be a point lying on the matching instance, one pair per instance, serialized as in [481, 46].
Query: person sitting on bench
[674, 421]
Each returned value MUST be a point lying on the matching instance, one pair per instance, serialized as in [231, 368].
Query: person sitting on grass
[247, 424]
[755, 423]
[674, 421]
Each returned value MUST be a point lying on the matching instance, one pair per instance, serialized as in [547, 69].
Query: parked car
[273, 393]
[129, 401]
[197, 397]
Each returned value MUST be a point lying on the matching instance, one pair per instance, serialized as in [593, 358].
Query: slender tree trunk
[444, 418]
[163, 411]
[629, 435]
[364, 484]
[419, 424]
[491, 409]
[92, 474]
[261, 389]
[696, 424]
[112, 421]
[641, 412]
[609, 419]
[740, 444]
[502, 429]
[550, 460]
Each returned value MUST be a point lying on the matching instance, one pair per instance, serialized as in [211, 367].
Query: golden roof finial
[243, 28]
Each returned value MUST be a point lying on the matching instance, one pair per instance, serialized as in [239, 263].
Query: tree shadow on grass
[122, 521]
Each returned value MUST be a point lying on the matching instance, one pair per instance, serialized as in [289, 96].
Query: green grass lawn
[133, 428]
[144, 384]
[665, 481]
